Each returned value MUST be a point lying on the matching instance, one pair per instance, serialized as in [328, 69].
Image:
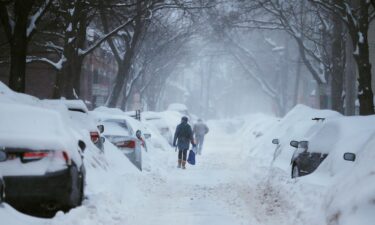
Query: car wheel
[75, 190]
[81, 189]
[295, 171]
[2, 194]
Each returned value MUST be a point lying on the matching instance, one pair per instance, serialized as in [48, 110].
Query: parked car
[82, 120]
[334, 136]
[121, 132]
[157, 121]
[3, 157]
[183, 110]
[305, 161]
[44, 164]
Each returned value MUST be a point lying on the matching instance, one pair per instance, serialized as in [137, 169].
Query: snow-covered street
[226, 186]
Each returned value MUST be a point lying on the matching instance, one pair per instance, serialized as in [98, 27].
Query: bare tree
[19, 20]
[357, 18]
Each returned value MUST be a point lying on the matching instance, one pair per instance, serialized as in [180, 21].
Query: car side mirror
[82, 145]
[102, 139]
[349, 156]
[275, 141]
[3, 156]
[138, 134]
[294, 144]
[101, 128]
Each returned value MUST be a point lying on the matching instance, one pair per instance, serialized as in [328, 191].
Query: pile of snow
[351, 199]
[181, 108]
[339, 191]
[45, 121]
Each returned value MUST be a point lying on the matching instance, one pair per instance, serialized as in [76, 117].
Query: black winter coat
[183, 136]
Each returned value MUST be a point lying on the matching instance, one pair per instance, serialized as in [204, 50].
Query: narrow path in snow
[197, 195]
[217, 190]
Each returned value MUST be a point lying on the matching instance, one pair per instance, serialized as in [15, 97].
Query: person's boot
[183, 164]
[179, 163]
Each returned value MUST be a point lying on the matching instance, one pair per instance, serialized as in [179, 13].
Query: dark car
[3, 157]
[305, 161]
[44, 159]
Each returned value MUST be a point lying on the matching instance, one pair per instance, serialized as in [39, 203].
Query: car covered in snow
[183, 110]
[158, 122]
[125, 133]
[340, 135]
[44, 158]
[305, 160]
[81, 120]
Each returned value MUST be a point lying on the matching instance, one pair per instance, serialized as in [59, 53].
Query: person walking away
[183, 136]
[200, 130]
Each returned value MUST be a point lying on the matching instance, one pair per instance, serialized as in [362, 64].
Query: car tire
[2, 193]
[81, 189]
[295, 171]
[75, 190]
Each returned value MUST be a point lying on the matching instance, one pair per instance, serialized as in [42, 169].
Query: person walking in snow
[183, 137]
[200, 130]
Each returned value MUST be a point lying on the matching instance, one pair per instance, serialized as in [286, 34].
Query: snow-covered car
[338, 135]
[157, 121]
[305, 160]
[121, 132]
[44, 164]
[81, 120]
[183, 110]
[3, 157]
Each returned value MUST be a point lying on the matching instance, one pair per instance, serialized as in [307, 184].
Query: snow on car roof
[32, 127]
[75, 105]
[344, 133]
[9, 96]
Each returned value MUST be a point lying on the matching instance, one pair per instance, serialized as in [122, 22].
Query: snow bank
[339, 192]
[44, 122]
[351, 199]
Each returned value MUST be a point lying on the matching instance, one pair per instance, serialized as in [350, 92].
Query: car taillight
[126, 144]
[33, 156]
[94, 136]
[38, 155]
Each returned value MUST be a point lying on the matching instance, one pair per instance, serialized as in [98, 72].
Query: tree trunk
[17, 78]
[361, 55]
[350, 81]
[323, 95]
[125, 68]
[68, 83]
[297, 84]
[338, 65]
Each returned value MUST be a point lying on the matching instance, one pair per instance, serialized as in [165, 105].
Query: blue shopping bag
[191, 157]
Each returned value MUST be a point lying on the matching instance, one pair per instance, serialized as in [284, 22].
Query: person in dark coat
[183, 136]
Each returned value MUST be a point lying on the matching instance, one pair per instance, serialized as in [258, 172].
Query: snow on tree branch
[56, 65]
[34, 18]
[104, 38]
